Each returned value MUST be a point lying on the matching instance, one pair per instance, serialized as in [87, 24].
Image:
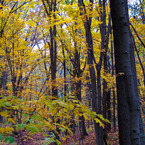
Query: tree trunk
[121, 32]
[77, 69]
[3, 86]
[53, 53]
[89, 44]
[123, 111]
[114, 104]
[106, 92]
[133, 69]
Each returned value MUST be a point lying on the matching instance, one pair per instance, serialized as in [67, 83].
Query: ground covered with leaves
[39, 139]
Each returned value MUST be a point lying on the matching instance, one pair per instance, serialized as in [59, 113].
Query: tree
[124, 72]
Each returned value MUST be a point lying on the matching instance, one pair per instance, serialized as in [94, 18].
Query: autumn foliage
[43, 70]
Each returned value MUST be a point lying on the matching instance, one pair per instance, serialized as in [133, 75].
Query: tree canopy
[66, 66]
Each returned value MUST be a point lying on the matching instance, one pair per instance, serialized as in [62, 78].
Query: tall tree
[89, 41]
[133, 69]
[50, 9]
[123, 69]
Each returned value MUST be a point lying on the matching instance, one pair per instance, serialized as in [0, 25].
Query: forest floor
[112, 139]
[39, 139]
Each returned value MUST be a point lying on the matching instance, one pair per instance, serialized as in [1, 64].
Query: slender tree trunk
[88, 96]
[4, 88]
[133, 68]
[73, 124]
[1, 85]
[89, 44]
[96, 107]
[106, 92]
[49, 8]
[114, 108]
[102, 134]
[78, 90]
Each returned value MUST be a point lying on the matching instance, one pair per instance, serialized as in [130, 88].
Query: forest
[72, 72]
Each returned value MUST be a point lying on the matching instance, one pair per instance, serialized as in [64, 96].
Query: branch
[138, 58]
[2, 30]
[11, 11]
[137, 35]
[20, 6]
[66, 67]
[45, 8]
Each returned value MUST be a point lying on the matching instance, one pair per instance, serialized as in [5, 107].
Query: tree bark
[114, 104]
[89, 43]
[78, 91]
[120, 29]
[133, 69]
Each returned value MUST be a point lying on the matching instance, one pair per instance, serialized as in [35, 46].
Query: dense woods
[70, 69]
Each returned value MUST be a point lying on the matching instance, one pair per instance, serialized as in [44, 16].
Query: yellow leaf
[4, 113]
[100, 123]
[86, 117]
[71, 106]
[9, 129]
[63, 138]
[10, 119]
[6, 130]
[2, 130]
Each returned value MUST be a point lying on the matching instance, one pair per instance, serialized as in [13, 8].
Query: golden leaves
[11, 120]
[6, 130]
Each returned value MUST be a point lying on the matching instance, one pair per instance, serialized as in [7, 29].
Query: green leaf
[1, 137]
[10, 139]
[62, 129]
[20, 126]
[26, 115]
[47, 138]
[6, 103]
[33, 129]
[58, 142]
[14, 97]
[21, 100]
[34, 117]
